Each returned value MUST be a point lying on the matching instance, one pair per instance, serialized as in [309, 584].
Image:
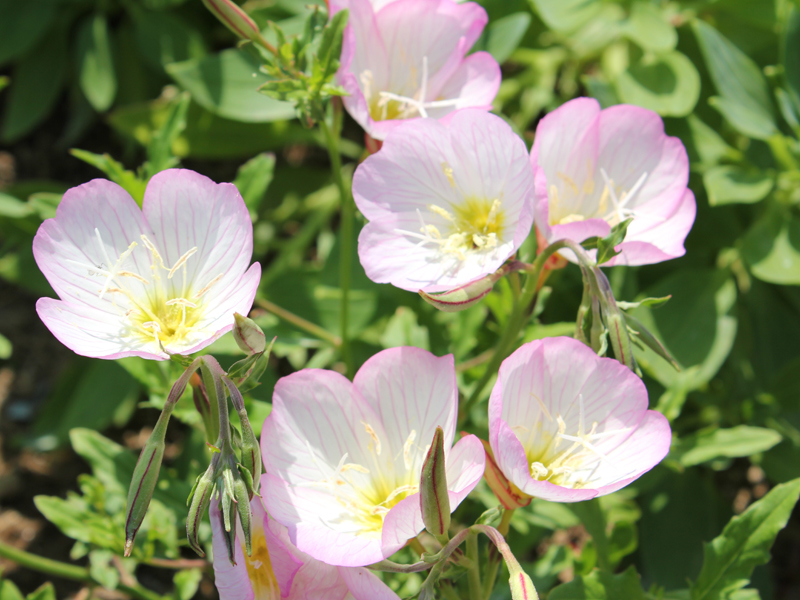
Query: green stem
[473, 573]
[345, 230]
[494, 558]
[56, 568]
[300, 322]
[516, 322]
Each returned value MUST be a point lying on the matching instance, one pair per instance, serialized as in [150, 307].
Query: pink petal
[465, 465]
[365, 585]
[232, 581]
[475, 83]
[187, 210]
[410, 390]
[402, 522]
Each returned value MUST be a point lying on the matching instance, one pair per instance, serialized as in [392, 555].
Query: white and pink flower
[566, 425]
[164, 279]
[407, 58]
[276, 570]
[596, 168]
[344, 460]
[447, 203]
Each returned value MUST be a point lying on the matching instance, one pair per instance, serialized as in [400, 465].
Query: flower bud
[250, 448]
[462, 297]
[507, 493]
[248, 335]
[234, 501]
[144, 479]
[521, 585]
[433, 496]
[198, 502]
[615, 321]
[235, 19]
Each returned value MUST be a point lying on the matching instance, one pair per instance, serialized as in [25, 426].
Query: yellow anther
[438, 210]
[181, 261]
[448, 172]
[208, 285]
[568, 180]
[371, 432]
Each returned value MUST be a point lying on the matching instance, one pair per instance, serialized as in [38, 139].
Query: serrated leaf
[601, 585]
[744, 544]
[734, 442]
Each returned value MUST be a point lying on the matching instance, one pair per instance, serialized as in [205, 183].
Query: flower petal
[474, 83]
[412, 392]
[365, 585]
[465, 465]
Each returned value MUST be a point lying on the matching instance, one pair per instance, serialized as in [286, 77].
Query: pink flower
[163, 279]
[344, 460]
[448, 203]
[276, 570]
[406, 59]
[595, 168]
[566, 425]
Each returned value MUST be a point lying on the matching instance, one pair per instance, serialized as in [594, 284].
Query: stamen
[407, 448]
[208, 285]
[438, 210]
[181, 261]
[543, 407]
[371, 432]
[134, 276]
[448, 172]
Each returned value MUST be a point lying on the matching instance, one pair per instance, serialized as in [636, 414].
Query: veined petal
[412, 392]
[365, 585]
[465, 464]
[474, 83]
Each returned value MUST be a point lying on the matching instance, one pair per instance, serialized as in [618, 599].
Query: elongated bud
[507, 493]
[648, 339]
[584, 317]
[199, 500]
[248, 335]
[241, 493]
[235, 19]
[144, 479]
[433, 496]
[470, 294]
[615, 322]
[522, 587]
[251, 449]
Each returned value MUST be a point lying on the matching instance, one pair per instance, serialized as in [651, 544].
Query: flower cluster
[356, 470]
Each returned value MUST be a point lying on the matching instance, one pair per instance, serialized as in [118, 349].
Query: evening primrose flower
[448, 203]
[566, 425]
[344, 460]
[276, 570]
[406, 59]
[596, 168]
[162, 280]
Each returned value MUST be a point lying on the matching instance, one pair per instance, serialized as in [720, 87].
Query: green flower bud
[144, 479]
[250, 448]
[199, 500]
[462, 297]
[248, 335]
[433, 496]
[522, 587]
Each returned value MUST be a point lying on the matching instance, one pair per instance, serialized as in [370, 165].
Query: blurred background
[125, 88]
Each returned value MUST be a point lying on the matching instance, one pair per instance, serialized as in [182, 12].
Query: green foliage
[601, 585]
[97, 78]
[744, 544]
[706, 446]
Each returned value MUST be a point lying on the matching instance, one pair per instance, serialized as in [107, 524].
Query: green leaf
[14, 208]
[505, 34]
[5, 348]
[9, 590]
[186, 583]
[696, 326]
[23, 25]
[115, 171]
[36, 84]
[253, 179]
[607, 246]
[772, 247]
[728, 184]
[790, 52]
[96, 75]
[565, 15]
[745, 100]
[91, 398]
[165, 38]
[742, 440]
[159, 151]
[745, 542]
[601, 585]
[46, 591]
[330, 48]
[102, 570]
[45, 203]
[4, 81]
[403, 330]
[648, 27]
[709, 144]
[667, 83]
[227, 85]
